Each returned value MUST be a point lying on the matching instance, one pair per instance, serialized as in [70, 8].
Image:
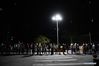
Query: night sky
[29, 18]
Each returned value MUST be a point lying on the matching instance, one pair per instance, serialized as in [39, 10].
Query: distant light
[89, 2]
[71, 21]
[57, 17]
[1, 9]
[15, 3]
[92, 20]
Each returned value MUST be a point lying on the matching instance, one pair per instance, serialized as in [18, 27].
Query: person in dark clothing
[90, 48]
[93, 49]
[27, 48]
[42, 48]
[52, 49]
[71, 47]
[78, 50]
[64, 48]
[33, 49]
[22, 48]
[48, 47]
[2, 46]
[67, 48]
[37, 48]
[7, 50]
[84, 48]
[95, 60]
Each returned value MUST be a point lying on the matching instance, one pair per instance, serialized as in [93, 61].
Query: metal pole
[57, 34]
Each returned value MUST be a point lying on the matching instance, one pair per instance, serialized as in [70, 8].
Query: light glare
[57, 17]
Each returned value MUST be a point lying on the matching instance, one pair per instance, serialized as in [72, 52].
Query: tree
[42, 39]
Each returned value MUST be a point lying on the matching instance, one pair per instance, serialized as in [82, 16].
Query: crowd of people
[22, 48]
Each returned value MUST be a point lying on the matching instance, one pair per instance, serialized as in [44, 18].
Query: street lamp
[57, 18]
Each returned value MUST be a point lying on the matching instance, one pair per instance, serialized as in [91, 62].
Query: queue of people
[83, 48]
[22, 48]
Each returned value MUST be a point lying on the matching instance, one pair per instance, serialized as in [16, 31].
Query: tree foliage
[42, 39]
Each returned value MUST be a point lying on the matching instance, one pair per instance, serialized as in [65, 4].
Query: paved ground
[49, 60]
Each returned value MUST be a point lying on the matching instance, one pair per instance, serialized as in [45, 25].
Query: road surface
[47, 60]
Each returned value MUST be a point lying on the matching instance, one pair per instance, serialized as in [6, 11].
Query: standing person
[14, 49]
[22, 48]
[87, 48]
[43, 48]
[78, 50]
[93, 49]
[48, 48]
[2, 48]
[67, 48]
[52, 48]
[96, 46]
[33, 48]
[64, 48]
[60, 49]
[11, 49]
[90, 48]
[74, 48]
[37, 48]
[71, 47]
[81, 49]
[57, 48]
[27, 48]
[18, 47]
[84, 48]
[7, 49]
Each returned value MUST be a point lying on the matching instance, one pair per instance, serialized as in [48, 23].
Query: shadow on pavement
[26, 56]
[97, 62]
[7, 55]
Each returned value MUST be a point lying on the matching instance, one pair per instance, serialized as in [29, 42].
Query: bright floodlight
[57, 17]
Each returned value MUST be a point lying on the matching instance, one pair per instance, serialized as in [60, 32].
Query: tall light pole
[57, 18]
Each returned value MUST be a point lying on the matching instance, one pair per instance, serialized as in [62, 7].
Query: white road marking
[55, 60]
[68, 64]
[44, 58]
